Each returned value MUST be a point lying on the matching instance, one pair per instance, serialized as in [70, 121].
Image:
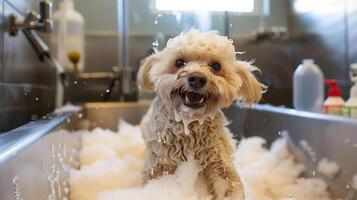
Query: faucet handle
[45, 9]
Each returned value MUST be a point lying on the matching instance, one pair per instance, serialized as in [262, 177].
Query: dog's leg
[158, 171]
[222, 178]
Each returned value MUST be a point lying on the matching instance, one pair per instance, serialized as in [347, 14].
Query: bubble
[107, 91]
[37, 98]
[290, 196]
[75, 82]
[230, 25]
[155, 22]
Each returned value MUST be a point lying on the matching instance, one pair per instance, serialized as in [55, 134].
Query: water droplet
[152, 172]
[348, 186]
[34, 117]
[159, 15]
[159, 139]
[107, 91]
[230, 25]
[80, 115]
[155, 43]
[313, 173]
[75, 82]
[291, 196]
[155, 22]
[37, 98]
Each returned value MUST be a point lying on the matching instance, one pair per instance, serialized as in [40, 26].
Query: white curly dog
[195, 76]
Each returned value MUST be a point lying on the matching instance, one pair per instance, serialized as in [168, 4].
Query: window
[206, 5]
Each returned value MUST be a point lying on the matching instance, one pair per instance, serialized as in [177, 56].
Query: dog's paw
[225, 190]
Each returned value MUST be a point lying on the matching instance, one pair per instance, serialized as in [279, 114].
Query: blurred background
[276, 34]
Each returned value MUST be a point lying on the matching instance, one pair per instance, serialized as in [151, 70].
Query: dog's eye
[216, 67]
[180, 63]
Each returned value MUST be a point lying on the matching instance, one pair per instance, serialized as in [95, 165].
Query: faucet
[33, 21]
[32, 24]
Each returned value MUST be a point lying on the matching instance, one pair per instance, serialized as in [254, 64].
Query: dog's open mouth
[193, 99]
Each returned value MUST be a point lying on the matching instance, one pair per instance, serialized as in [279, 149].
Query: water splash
[17, 189]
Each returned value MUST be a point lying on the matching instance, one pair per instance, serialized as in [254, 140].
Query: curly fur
[173, 131]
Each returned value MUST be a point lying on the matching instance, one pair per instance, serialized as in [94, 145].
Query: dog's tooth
[187, 99]
[201, 101]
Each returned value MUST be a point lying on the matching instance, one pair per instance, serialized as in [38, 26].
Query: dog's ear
[144, 82]
[251, 90]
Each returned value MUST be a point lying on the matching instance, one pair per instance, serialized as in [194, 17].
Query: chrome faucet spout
[33, 21]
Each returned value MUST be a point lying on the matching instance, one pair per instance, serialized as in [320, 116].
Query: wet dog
[194, 77]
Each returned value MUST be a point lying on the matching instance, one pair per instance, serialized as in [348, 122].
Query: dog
[194, 77]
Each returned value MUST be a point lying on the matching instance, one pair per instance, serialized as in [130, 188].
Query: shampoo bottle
[68, 36]
[334, 103]
[350, 109]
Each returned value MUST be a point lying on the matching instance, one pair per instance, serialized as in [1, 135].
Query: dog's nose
[197, 80]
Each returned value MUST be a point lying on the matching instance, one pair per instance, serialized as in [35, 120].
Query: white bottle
[68, 36]
[350, 109]
[334, 103]
[308, 87]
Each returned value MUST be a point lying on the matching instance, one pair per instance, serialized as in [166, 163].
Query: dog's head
[199, 71]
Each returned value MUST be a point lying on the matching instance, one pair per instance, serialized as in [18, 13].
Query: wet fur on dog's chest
[169, 142]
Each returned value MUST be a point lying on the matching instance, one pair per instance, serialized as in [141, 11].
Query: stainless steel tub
[35, 158]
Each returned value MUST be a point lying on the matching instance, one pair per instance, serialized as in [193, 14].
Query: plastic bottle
[308, 87]
[68, 36]
[350, 109]
[334, 103]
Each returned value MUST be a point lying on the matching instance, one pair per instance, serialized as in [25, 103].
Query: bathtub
[35, 159]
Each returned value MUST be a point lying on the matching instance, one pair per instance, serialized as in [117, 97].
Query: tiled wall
[26, 84]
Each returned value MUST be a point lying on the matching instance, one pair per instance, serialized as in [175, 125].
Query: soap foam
[328, 168]
[266, 173]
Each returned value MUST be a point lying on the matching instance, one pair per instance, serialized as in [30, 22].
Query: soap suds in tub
[328, 168]
[116, 174]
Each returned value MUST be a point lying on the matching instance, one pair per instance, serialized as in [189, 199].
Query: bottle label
[334, 110]
[350, 111]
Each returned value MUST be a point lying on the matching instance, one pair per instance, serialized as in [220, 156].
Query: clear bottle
[308, 87]
[68, 36]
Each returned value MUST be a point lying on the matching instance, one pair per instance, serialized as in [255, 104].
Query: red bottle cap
[334, 90]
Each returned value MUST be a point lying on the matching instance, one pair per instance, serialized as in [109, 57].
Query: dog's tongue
[193, 97]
